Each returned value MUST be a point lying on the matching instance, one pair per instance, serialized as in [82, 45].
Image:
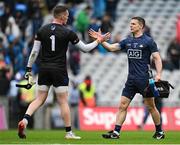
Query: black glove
[163, 88]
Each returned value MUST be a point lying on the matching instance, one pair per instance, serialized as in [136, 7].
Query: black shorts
[134, 86]
[53, 77]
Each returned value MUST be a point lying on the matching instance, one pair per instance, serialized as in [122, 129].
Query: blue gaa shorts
[133, 86]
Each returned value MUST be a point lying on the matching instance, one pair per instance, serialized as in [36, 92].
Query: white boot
[71, 135]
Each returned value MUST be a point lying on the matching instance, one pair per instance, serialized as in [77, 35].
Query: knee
[151, 108]
[123, 106]
[62, 101]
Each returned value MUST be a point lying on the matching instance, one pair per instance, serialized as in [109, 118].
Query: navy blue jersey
[138, 51]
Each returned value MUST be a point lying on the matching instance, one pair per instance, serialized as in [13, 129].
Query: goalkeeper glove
[28, 73]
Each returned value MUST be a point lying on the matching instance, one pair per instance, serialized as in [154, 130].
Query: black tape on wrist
[28, 69]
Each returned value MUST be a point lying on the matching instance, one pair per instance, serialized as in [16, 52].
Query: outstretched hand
[98, 36]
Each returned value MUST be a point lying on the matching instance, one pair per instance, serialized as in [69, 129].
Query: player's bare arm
[111, 47]
[158, 64]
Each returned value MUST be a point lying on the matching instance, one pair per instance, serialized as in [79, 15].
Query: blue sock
[68, 128]
[158, 128]
[117, 128]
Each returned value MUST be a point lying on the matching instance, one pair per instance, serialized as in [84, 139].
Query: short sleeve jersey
[54, 44]
[138, 51]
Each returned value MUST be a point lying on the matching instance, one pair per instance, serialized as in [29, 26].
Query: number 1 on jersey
[52, 42]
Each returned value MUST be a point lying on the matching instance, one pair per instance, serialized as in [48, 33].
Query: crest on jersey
[75, 41]
[53, 27]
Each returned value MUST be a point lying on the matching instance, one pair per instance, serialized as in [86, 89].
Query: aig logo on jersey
[134, 53]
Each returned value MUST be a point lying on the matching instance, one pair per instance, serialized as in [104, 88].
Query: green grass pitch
[88, 137]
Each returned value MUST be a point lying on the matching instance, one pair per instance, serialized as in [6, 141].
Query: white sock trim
[70, 132]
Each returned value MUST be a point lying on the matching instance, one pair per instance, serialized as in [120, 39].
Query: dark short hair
[88, 7]
[59, 9]
[141, 20]
[88, 77]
